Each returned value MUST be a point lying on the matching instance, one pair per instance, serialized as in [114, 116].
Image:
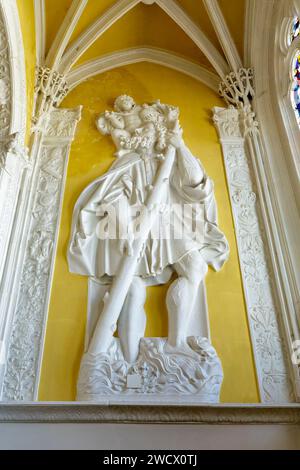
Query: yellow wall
[90, 156]
[234, 12]
[26, 15]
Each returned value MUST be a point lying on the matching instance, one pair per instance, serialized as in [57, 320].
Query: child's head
[124, 103]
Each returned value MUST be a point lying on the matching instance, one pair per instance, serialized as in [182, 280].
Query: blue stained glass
[296, 86]
[295, 28]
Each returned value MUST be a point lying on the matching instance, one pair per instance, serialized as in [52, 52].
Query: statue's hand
[191, 170]
[175, 138]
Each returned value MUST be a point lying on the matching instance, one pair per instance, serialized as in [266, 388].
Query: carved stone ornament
[154, 173]
[26, 338]
[263, 312]
[158, 371]
[5, 88]
[237, 87]
[11, 146]
[50, 88]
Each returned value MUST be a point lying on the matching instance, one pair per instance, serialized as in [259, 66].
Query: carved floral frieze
[27, 328]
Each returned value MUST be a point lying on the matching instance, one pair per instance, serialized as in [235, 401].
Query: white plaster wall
[147, 437]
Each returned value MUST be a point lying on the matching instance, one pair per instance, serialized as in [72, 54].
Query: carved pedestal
[160, 372]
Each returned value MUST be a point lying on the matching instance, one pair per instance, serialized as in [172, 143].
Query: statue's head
[124, 103]
[149, 114]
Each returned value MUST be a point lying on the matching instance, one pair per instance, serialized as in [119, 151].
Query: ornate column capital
[50, 89]
[239, 119]
[227, 122]
[235, 123]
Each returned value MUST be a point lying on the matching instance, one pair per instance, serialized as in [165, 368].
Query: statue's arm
[108, 121]
[189, 167]
[190, 170]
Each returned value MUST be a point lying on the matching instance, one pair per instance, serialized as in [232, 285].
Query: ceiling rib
[119, 9]
[222, 31]
[93, 32]
[174, 10]
[40, 30]
[65, 32]
[144, 54]
[248, 27]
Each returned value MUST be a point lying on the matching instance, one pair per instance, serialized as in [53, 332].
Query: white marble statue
[154, 173]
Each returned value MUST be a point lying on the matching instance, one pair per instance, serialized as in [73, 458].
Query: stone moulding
[164, 413]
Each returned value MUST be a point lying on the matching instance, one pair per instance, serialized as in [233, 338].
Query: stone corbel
[237, 87]
[238, 91]
[50, 89]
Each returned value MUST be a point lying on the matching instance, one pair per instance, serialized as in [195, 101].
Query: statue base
[161, 371]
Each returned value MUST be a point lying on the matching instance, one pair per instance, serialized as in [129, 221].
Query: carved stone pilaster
[5, 82]
[50, 88]
[269, 349]
[13, 155]
[29, 318]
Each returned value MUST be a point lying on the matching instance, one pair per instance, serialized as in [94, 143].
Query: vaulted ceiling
[80, 38]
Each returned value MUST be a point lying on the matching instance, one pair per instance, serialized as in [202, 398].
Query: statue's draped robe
[128, 182]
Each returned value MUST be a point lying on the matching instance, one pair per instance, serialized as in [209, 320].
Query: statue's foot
[180, 346]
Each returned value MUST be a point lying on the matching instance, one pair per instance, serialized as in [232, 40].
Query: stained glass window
[295, 94]
[295, 29]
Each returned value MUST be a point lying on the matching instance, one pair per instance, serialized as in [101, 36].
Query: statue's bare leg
[132, 321]
[181, 296]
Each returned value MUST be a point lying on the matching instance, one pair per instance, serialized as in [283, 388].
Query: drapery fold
[126, 185]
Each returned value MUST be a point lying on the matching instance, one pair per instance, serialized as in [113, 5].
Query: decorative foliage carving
[248, 122]
[50, 88]
[227, 122]
[62, 122]
[23, 354]
[263, 314]
[237, 87]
